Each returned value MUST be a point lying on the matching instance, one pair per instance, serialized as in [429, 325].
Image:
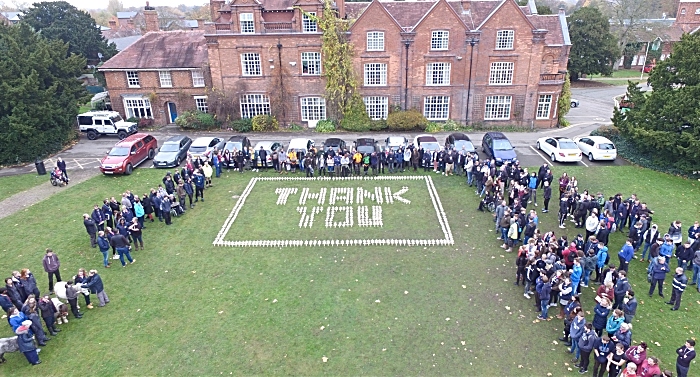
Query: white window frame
[247, 23]
[377, 107]
[440, 40]
[375, 41]
[313, 108]
[436, 107]
[137, 107]
[198, 78]
[307, 24]
[498, 107]
[251, 64]
[132, 79]
[501, 73]
[311, 63]
[375, 74]
[505, 39]
[438, 73]
[253, 104]
[544, 106]
[697, 10]
[200, 102]
[166, 79]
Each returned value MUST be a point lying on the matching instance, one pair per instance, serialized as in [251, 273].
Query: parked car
[428, 142]
[597, 147]
[460, 141]
[560, 149]
[334, 143]
[98, 123]
[172, 152]
[647, 68]
[395, 142]
[497, 146]
[269, 147]
[574, 102]
[203, 146]
[300, 145]
[238, 143]
[128, 154]
[366, 145]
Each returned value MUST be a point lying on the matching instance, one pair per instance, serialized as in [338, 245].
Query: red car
[129, 153]
[648, 68]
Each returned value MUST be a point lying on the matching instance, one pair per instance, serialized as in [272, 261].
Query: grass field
[188, 307]
[14, 184]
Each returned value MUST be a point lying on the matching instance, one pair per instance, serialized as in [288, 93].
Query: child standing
[25, 343]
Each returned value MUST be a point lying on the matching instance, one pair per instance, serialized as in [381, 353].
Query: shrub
[356, 118]
[196, 120]
[452, 126]
[265, 123]
[242, 125]
[406, 120]
[295, 127]
[433, 127]
[378, 125]
[145, 122]
[324, 126]
[133, 120]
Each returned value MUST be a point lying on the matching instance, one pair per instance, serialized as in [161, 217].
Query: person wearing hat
[91, 228]
[25, 343]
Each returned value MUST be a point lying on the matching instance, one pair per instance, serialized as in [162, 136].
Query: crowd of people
[25, 306]
[554, 269]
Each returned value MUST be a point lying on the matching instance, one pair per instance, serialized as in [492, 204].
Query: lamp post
[472, 42]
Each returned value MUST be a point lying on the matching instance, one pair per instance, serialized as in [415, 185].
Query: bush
[146, 122]
[295, 127]
[452, 126]
[242, 125]
[356, 118]
[406, 120]
[196, 120]
[378, 125]
[324, 126]
[265, 123]
[433, 127]
[133, 120]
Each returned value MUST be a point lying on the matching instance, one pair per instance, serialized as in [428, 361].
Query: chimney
[466, 6]
[214, 7]
[562, 10]
[200, 24]
[340, 4]
[112, 24]
[151, 16]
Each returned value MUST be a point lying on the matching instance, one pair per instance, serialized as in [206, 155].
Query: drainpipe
[472, 42]
[279, 57]
[405, 90]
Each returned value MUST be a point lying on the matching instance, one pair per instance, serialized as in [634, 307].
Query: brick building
[486, 61]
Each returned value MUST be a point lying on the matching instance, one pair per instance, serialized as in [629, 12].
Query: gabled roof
[162, 50]
[498, 7]
[435, 6]
[380, 6]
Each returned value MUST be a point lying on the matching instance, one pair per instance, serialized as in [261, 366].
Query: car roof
[175, 138]
[562, 138]
[333, 140]
[298, 143]
[236, 138]
[130, 140]
[396, 139]
[265, 144]
[460, 136]
[202, 141]
[496, 135]
[104, 113]
[599, 139]
[426, 138]
[365, 140]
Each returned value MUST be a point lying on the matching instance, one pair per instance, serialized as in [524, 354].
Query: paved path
[36, 194]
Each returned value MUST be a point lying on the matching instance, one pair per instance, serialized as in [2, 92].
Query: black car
[172, 152]
[458, 140]
[335, 144]
[366, 145]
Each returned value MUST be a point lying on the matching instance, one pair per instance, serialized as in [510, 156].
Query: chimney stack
[214, 7]
[151, 16]
[340, 4]
[112, 24]
[200, 24]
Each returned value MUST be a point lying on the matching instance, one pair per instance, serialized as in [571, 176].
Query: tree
[60, 20]
[564, 102]
[39, 94]
[594, 49]
[627, 18]
[666, 123]
[114, 6]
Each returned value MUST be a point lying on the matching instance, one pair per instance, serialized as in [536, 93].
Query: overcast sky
[102, 4]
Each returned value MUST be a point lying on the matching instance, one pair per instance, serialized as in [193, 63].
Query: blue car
[497, 146]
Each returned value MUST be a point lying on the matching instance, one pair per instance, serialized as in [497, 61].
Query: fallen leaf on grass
[566, 364]
[325, 359]
[221, 312]
[377, 301]
[555, 342]
[463, 343]
[507, 307]
[569, 368]
[447, 319]
[520, 367]
[274, 301]
[657, 344]
[323, 327]
[194, 272]
[464, 286]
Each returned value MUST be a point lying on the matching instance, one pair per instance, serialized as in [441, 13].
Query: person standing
[658, 275]
[629, 306]
[52, 267]
[48, 313]
[99, 217]
[139, 212]
[601, 350]
[25, 343]
[189, 190]
[547, 196]
[166, 206]
[199, 185]
[686, 354]
[122, 245]
[680, 281]
[72, 296]
[622, 286]
[104, 246]
[91, 229]
[586, 344]
[81, 278]
[625, 255]
[95, 285]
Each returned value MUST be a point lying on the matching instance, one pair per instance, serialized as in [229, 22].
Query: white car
[560, 149]
[427, 142]
[574, 102]
[270, 147]
[597, 148]
[395, 142]
[203, 146]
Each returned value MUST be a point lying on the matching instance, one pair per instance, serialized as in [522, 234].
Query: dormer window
[247, 23]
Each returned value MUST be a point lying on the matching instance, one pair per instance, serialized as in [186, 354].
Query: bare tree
[626, 18]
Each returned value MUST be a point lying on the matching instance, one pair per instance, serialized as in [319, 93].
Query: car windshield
[395, 141]
[116, 118]
[567, 145]
[198, 149]
[463, 143]
[170, 147]
[430, 145]
[606, 146]
[502, 145]
[233, 144]
[365, 149]
[119, 152]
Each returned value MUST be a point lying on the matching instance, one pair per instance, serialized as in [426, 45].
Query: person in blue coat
[25, 343]
[600, 318]
[189, 190]
[15, 318]
[658, 275]
[602, 256]
[623, 335]
[576, 273]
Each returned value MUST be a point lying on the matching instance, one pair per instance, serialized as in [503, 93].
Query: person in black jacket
[541, 174]
[13, 293]
[25, 343]
[547, 196]
[91, 229]
[95, 285]
[586, 344]
[563, 210]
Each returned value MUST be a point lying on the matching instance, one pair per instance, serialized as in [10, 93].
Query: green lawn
[14, 184]
[188, 307]
[620, 73]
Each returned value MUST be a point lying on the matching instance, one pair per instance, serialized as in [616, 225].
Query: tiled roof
[549, 22]
[163, 49]
[477, 13]
[408, 13]
[278, 4]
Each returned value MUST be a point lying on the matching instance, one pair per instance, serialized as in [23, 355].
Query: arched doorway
[172, 111]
